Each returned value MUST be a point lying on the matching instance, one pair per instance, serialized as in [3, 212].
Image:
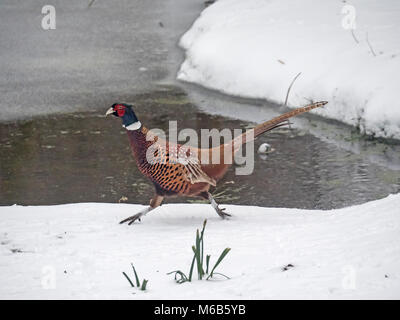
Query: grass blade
[144, 284]
[221, 257]
[202, 245]
[182, 278]
[136, 276]
[207, 262]
[199, 266]
[127, 278]
[221, 274]
[192, 265]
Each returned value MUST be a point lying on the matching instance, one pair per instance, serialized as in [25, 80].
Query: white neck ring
[133, 126]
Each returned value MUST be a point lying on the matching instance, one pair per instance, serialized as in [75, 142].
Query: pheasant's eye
[120, 110]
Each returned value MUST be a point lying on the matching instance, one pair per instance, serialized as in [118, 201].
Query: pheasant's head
[126, 113]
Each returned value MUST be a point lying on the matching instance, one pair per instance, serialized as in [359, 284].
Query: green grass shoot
[138, 285]
[198, 261]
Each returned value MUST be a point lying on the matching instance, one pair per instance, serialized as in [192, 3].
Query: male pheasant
[181, 170]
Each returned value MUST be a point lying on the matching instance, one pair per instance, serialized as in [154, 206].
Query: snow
[255, 48]
[78, 251]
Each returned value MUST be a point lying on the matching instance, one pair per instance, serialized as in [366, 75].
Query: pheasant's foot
[216, 207]
[221, 212]
[132, 219]
[137, 216]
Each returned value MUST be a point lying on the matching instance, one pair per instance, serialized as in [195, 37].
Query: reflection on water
[85, 157]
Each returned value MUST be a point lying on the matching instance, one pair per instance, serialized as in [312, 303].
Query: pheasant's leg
[154, 203]
[216, 207]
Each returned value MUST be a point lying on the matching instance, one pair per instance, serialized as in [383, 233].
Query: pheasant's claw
[223, 214]
[125, 220]
[132, 219]
[137, 216]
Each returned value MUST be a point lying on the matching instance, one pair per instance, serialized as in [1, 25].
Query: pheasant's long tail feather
[269, 125]
[227, 151]
[275, 123]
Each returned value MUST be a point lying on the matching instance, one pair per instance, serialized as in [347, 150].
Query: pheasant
[179, 170]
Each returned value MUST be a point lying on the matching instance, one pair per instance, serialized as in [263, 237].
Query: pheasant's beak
[110, 111]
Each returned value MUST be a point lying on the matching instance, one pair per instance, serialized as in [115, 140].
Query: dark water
[96, 55]
[85, 157]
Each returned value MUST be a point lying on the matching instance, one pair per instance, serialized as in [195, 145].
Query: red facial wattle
[120, 110]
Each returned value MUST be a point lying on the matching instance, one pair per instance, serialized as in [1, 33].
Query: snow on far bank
[346, 253]
[255, 48]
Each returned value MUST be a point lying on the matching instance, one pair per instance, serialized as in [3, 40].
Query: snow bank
[79, 251]
[255, 48]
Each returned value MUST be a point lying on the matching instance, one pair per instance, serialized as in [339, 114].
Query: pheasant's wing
[194, 172]
[188, 157]
[174, 164]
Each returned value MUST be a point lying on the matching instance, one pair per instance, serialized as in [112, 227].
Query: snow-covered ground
[255, 48]
[80, 250]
